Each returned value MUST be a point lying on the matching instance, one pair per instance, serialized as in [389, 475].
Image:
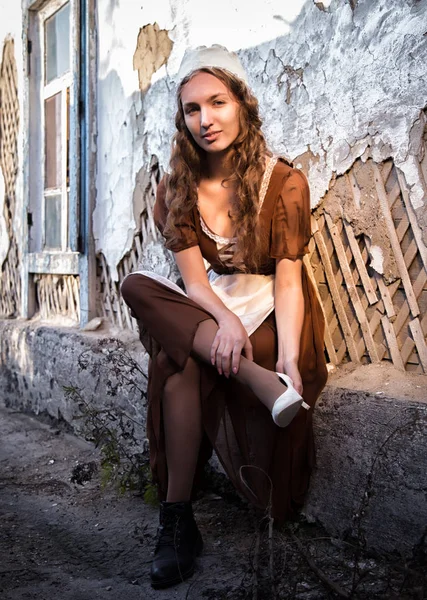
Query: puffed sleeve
[291, 229]
[186, 228]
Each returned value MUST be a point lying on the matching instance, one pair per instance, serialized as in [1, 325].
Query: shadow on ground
[83, 542]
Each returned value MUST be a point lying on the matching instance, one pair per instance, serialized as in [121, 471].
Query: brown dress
[259, 457]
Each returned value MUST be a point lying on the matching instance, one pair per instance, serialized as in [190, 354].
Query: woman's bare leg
[264, 383]
[182, 418]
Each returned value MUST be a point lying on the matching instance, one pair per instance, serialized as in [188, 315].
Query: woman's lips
[211, 137]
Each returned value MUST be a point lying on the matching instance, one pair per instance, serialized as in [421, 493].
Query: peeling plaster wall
[336, 81]
[119, 145]
[153, 50]
[4, 238]
[11, 27]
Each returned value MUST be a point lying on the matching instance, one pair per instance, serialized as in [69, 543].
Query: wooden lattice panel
[110, 303]
[58, 295]
[368, 319]
[10, 283]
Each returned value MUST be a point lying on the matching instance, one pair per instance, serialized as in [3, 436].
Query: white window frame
[76, 256]
[58, 85]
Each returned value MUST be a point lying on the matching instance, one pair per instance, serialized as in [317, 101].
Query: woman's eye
[219, 102]
[191, 111]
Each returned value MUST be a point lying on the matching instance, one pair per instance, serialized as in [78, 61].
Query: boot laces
[168, 531]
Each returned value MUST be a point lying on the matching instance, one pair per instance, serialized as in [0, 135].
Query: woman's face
[211, 112]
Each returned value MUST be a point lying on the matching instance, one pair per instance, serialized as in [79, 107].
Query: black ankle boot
[179, 542]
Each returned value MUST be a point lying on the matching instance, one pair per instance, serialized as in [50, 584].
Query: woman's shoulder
[162, 186]
[283, 164]
[285, 174]
[160, 209]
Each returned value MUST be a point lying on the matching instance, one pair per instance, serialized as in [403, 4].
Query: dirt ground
[63, 541]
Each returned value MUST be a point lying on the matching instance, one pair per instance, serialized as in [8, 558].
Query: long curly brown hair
[247, 160]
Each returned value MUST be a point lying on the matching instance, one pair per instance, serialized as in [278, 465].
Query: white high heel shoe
[288, 404]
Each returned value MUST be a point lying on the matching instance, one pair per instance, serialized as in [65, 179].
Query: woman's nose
[205, 117]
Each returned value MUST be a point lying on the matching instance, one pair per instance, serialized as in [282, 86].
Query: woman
[214, 351]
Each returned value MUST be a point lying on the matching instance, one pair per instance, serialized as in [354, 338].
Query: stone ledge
[38, 359]
[370, 426]
[371, 476]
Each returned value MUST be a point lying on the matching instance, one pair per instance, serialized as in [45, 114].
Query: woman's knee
[131, 287]
[264, 347]
[189, 375]
[127, 289]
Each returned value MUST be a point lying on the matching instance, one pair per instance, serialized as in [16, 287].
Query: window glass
[57, 35]
[53, 222]
[67, 138]
[56, 32]
[53, 142]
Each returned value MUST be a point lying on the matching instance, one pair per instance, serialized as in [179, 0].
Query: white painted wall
[361, 93]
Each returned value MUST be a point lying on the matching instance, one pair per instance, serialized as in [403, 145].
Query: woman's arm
[289, 311]
[231, 337]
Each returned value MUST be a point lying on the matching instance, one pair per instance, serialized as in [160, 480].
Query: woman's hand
[231, 339]
[291, 369]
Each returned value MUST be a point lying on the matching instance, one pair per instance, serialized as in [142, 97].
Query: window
[56, 126]
[58, 159]
[54, 130]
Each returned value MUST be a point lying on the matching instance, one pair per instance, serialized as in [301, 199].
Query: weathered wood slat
[352, 291]
[423, 167]
[394, 193]
[138, 249]
[151, 197]
[107, 298]
[345, 325]
[397, 251]
[126, 313]
[58, 295]
[403, 315]
[418, 335]
[416, 229]
[386, 297]
[67, 301]
[360, 264]
[116, 304]
[328, 338]
[150, 221]
[341, 352]
[384, 292]
[54, 305]
[402, 228]
[76, 294]
[375, 321]
[410, 254]
[407, 349]
[386, 168]
[392, 344]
